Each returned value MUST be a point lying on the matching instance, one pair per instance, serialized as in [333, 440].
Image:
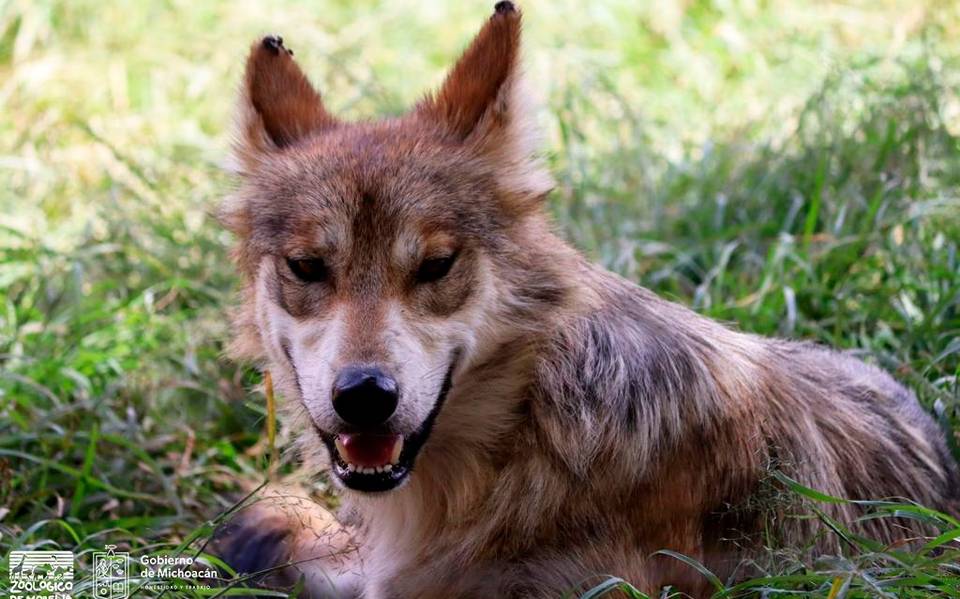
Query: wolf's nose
[364, 396]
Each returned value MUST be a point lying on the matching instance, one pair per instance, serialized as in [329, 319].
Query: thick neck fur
[538, 382]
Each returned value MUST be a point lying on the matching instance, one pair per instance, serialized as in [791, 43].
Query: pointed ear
[473, 86]
[483, 103]
[278, 106]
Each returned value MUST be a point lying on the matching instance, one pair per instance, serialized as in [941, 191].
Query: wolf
[504, 418]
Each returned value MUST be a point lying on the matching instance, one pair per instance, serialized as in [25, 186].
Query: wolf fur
[588, 424]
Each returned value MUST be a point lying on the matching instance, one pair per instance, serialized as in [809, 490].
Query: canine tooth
[397, 448]
[388, 468]
[350, 468]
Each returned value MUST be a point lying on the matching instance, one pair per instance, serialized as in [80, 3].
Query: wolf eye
[311, 270]
[434, 269]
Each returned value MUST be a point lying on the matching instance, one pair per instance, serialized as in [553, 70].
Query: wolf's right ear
[278, 105]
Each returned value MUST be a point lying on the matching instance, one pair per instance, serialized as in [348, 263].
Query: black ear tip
[274, 43]
[504, 6]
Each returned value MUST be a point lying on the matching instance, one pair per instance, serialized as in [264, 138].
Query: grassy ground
[789, 167]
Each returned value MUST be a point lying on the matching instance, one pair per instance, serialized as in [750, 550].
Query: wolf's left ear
[278, 105]
[483, 105]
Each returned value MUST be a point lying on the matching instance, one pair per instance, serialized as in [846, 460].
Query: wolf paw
[258, 544]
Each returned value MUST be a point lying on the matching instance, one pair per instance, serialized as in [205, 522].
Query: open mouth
[374, 462]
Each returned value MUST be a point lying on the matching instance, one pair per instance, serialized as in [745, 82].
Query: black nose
[364, 396]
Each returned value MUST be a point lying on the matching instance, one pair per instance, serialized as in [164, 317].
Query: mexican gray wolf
[504, 418]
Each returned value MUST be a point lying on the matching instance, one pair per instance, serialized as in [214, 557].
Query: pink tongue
[368, 451]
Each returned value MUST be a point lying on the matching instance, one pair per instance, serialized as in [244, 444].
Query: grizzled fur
[589, 423]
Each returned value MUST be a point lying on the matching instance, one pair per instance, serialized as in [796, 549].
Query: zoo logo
[38, 574]
[111, 578]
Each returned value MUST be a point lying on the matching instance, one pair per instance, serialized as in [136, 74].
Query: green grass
[788, 167]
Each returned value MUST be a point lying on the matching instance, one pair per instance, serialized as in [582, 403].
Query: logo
[36, 574]
[111, 578]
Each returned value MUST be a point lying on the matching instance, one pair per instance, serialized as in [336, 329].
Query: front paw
[257, 543]
[285, 538]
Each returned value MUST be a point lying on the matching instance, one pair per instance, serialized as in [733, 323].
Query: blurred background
[790, 167]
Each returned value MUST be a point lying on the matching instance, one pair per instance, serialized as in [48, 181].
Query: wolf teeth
[369, 469]
[397, 448]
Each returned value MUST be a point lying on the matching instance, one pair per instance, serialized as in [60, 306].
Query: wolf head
[382, 258]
